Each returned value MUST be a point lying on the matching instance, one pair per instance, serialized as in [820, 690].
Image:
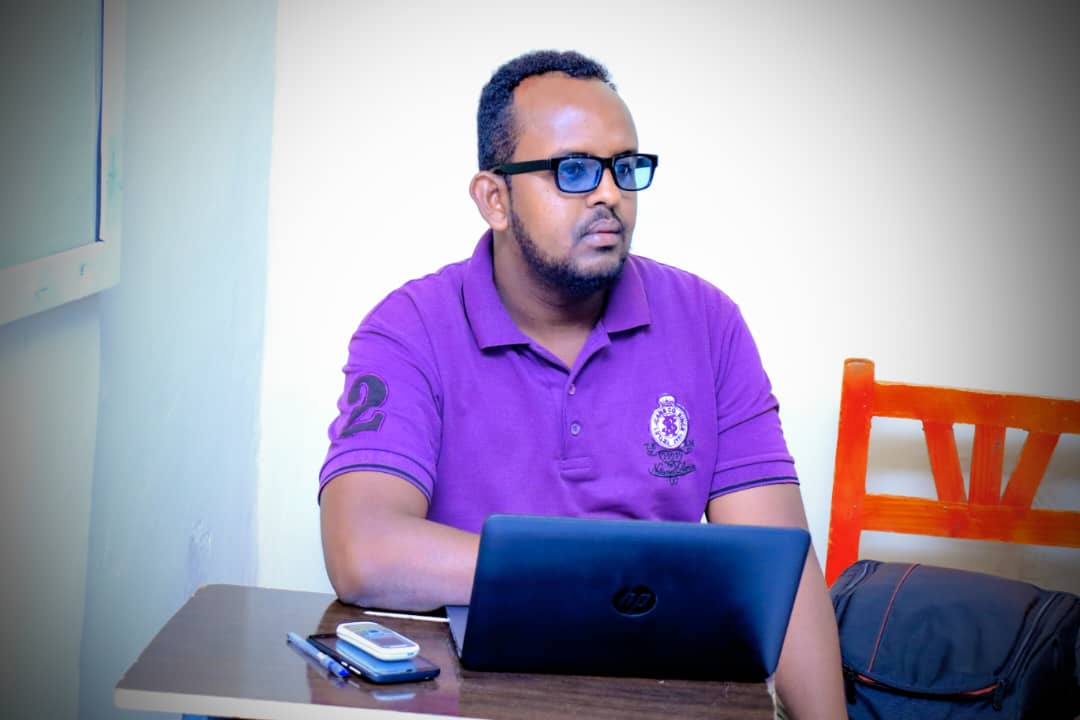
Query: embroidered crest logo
[669, 425]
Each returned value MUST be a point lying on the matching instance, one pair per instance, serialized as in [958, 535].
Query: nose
[607, 192]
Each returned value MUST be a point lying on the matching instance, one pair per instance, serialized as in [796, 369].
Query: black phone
[370, 667]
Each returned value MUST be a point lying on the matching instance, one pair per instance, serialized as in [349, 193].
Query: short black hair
[496, 138]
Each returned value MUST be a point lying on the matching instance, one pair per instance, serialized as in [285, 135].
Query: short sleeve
[751, 450]
[388, 416]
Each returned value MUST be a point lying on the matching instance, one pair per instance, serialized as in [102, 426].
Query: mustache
[603, 219]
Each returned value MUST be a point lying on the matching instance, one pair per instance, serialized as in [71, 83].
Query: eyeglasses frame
[552, 164]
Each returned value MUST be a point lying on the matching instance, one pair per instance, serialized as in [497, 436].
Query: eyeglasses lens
[579, 174]
[631, 172]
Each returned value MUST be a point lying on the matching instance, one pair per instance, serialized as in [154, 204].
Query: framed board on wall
[62, 84]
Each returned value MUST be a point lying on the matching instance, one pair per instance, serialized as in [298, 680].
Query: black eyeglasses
[581, 173]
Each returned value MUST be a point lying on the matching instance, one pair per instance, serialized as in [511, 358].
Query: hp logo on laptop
[637, 600]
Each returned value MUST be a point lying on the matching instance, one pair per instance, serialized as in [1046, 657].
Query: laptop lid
[630, 597]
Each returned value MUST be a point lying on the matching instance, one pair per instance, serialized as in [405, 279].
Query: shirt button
[572, 389]
[575, 428]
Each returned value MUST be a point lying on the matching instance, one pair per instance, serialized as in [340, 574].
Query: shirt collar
[492, 326]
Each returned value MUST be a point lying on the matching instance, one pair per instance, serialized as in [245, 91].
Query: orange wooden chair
[983, 513]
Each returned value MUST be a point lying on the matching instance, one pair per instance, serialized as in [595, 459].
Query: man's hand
[380, 551]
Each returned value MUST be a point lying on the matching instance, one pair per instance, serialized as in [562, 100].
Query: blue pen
[318, 656]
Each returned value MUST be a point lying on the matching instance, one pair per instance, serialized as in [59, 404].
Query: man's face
[574, 242]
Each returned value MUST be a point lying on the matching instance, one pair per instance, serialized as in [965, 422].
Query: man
[555, 373]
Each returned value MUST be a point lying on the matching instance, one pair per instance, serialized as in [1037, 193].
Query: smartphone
[371, 668]
[378, 640]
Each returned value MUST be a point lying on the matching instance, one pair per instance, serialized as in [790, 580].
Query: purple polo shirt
[666, 407]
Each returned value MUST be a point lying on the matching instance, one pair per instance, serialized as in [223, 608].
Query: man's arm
[809, 678]
[380, 551]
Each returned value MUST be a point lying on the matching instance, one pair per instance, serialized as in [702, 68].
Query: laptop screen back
[632, 597]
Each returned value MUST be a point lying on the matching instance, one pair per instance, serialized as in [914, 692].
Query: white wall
[49, 362]
[48, 419]
[175, 476]
[889, 180]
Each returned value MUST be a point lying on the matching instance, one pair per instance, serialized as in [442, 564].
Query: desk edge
[218, 706]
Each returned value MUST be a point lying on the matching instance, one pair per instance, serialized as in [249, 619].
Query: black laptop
[629, 598]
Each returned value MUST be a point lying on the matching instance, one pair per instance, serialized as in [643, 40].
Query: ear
[492, 199]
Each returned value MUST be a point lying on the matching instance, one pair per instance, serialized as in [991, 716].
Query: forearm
[418, 565]
[381, 552]
[809, 680]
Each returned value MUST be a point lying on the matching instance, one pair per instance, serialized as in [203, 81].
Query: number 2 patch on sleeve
[366, 395]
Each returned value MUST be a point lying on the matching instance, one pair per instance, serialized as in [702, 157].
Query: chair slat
[972, 407]
[987, 459]
[919, 516]
[944, 461]
[1030, 468]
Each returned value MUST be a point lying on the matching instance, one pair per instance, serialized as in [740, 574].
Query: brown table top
[224, 654]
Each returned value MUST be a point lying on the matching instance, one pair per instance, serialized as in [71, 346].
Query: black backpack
[931, 643]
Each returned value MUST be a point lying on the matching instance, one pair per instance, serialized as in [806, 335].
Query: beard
[562, 275]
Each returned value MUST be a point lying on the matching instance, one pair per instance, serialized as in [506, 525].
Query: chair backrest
[984, 512]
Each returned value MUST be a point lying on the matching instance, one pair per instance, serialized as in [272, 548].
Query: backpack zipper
[1023, 651]
[849, 684]
[851, 677]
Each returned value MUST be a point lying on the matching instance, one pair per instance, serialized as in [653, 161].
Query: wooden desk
[224, 654]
